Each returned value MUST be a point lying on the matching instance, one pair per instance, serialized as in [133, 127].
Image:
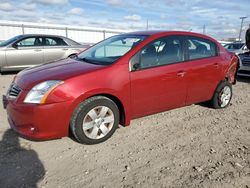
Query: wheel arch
[124, 112]
[119, 104]
[231, 71]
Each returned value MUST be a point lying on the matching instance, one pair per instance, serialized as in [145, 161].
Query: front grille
[14, 91]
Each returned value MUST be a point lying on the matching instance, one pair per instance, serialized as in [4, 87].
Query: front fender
[110, 94]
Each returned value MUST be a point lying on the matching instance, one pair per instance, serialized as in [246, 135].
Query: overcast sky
[221, 17]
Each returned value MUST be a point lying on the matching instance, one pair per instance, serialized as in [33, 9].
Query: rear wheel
[222, 95]
[95, 120]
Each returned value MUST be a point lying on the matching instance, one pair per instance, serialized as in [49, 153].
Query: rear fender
[232, 69]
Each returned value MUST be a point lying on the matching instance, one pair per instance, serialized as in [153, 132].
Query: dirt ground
[194, 146]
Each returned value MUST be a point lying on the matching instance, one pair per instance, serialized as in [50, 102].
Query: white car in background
[244, 58]
[237, 47]
[30, 50]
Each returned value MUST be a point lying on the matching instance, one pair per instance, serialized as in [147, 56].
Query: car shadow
[206, 104]
[243, 79]
[20, 166]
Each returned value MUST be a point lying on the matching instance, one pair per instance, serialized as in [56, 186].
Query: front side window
[163, 51]
[110, 50]
[11, 40]
[28, 42]
[200, 48]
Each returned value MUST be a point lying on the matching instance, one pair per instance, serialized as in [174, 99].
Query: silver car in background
[244, 68]
[244, 58]
[30, 50]
[237, 47]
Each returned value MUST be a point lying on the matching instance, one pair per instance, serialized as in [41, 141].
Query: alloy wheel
[98, 122]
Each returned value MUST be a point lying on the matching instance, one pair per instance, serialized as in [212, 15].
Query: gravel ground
[194, 146]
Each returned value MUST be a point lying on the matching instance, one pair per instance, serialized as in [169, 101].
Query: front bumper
[39, 122]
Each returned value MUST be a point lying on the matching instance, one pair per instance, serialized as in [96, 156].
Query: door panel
[157, 89]
[54, 49]
[160, 82]
[24, 56]
[204, 69]
[25, 53]
[54, 53]
[202, 78]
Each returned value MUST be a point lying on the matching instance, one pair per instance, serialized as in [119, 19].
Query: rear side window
[53, 41]
[200, 48]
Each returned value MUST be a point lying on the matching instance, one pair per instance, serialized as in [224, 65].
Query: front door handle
[181, 73]
[216, 65]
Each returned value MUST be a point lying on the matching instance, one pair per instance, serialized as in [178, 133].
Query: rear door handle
[181, 73]
[65, 49]
[37, 50]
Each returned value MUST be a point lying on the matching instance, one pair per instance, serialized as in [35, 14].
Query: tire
[95, 120]
[222, 95]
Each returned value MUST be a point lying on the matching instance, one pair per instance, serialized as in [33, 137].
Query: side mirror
[134, 63]
[15, 45]
[136, 66]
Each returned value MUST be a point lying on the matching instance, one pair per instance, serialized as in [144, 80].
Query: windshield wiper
[84, 59]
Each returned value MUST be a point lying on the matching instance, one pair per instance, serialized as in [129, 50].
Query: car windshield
[111, 49]
[9, 41]
[235, 46]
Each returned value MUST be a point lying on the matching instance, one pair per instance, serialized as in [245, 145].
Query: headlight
[39, 93]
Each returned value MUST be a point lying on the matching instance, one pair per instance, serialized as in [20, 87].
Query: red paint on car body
[139, 93]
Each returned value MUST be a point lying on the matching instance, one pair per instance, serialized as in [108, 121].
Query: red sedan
[119, 79]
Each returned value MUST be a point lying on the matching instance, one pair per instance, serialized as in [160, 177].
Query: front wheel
[222, 95]
[95, 120]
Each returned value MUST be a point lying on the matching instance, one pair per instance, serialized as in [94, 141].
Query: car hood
[59, 70]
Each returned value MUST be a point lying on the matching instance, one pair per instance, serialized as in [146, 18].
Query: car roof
[162, 32]
[155, 32]
[42, 35]
[148, 32]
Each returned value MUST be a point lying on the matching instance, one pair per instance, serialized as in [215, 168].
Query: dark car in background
[237, 47]
[30, 50]
[244, 58]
